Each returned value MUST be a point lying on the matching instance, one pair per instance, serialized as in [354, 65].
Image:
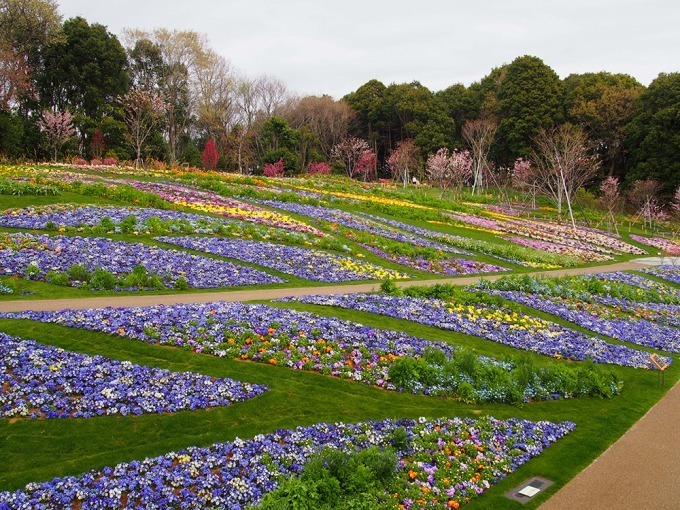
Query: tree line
[70, 89]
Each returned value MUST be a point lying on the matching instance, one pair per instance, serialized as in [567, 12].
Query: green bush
[103, 280]
[78, 272]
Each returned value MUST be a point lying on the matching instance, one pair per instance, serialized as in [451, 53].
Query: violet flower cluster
[448, 266]
[354, 222]
[636, 280]
[667, 245]
[640, 331]
[497, 325]
[237, 474]
[667, 272]
[41, 253]
[40, 381]
[309, 264]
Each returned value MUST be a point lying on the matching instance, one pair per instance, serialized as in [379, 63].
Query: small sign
[529, 491]
[658, 361]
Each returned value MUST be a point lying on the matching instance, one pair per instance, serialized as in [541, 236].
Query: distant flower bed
[602, 320]
[667, 272]
[309, 264]
[667, 245]
[498, 325]
[445, 463]
[445, 266]
[37, 256]
[581, 253]
[40, 381]
[641, 282]
[355, 222]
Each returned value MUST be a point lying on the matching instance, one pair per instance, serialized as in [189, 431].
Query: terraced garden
[436, 396]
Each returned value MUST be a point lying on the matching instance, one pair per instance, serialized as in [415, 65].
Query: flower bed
[497, 325]
[36, 255]
[667, 245]
[636, 280]
[581, 253]
[602, 320]
[210, 202]
[667, 272]
[445, 266]
[356, 223]
[444, 463]
[40, 381]
[309, 264]
[304, 341]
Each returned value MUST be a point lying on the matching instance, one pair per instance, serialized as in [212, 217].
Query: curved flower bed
[667, 272]
[497, 325]
[444, 266]
[636, 280]
[667, 245]
[599, 319]
[309, 264]
[330, 346]
[444, 463]
[580, 253]
[40, 381]
[208, 201]
[581, 238]
[662, 313]
[354, 222]
[41, 253]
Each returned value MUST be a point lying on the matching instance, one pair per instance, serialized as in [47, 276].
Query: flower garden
[446, 396]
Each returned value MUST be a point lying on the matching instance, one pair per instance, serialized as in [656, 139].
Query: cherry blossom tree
[318, 168]
[97, 144]
[643, 196]
[365, 165]
[403, 160]
[348, 151]
[58, 127]
[676, 202]
[144, 111]
[452, 170]
[611, 198]
[525, 178]
[210, 156]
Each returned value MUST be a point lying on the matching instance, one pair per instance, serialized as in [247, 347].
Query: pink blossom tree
[144, 111]
[348, 151]
[366, 165]
[452, 170]
[318, 168]
[58, 127]
[525, 178]
[675, 205]
[274, 169]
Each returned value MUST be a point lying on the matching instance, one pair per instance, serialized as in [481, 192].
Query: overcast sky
[318, 47]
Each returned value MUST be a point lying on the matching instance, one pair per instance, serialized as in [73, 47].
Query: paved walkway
[265, 294]
[641, 470]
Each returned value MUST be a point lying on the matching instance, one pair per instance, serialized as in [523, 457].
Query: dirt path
[251, 295]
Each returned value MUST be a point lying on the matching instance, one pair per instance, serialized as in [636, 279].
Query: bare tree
[271, 93]
[404, 159]
[215, 98]
[143, 113]
[563, 163]
[326, 118]
[479, 134]
[643, 196]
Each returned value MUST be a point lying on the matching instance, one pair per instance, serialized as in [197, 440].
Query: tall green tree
[603, 104]
[654, 134]
[529, 99]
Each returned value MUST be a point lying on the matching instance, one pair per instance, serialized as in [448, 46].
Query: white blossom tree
[58, 127]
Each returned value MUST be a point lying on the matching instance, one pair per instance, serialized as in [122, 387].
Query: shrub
[57, 278]
[319, 168]
[103, 280]
[80, 162]
[78, 272]
[274, 170]
[110, 161]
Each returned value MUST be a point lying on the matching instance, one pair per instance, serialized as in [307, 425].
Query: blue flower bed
[237, 474]
[352, 221]
[641, 332]
[546, 338]
[41, 381]
[42, 253]
[667, 272]
[309, 264]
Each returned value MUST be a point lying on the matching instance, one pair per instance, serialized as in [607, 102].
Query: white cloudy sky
[319, 47]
